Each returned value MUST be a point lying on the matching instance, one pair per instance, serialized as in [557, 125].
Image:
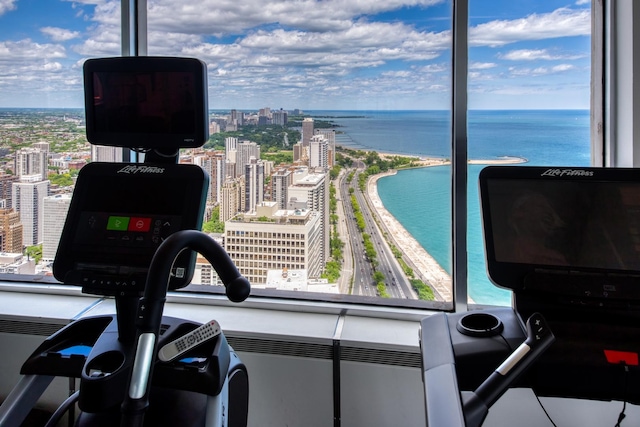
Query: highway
[359, 266]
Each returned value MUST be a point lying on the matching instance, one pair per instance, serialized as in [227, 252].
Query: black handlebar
[151, 306]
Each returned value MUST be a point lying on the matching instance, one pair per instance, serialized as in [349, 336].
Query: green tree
[214, 225]
[34, 252]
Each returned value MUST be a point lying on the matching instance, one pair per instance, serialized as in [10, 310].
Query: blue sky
[312, 54]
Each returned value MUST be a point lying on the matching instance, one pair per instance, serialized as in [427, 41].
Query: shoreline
[425, 267]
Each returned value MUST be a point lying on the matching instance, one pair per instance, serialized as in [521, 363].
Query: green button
[119, 223]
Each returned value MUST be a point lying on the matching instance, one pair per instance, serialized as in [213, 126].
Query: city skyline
[313, 55]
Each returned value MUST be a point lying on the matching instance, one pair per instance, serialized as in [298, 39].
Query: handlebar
[151, 305]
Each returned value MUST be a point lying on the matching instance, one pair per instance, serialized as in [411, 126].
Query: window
[529, 101]
[371, 77]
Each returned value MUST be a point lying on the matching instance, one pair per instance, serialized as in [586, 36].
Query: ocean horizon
[420, 198]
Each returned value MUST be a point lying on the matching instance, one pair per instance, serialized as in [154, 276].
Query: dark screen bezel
[511, 275]
[150, 139]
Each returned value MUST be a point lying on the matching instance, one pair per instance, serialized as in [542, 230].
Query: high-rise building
[214, 127]
[265, 112]
[311, 191]
[230, 144]
[42, 146]
[28, 199]
[6, 185]
[217, 175]
[330, 135]
[103, 153]
[273, 239]
[55, 213]
[231, 195]
[279, 117]
[237, 118]
[307, 131]
[10, 231]
[280, 182]
[212, 162]
[254, 184]
[245, 151]
[318, 151]
[31, 161]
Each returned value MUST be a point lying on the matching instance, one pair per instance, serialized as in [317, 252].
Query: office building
[273, 239]
[55, 213]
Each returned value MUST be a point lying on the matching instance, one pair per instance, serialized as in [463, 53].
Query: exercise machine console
[132, 234]
[566, 242]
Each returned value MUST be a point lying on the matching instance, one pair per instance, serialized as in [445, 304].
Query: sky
[312, 54]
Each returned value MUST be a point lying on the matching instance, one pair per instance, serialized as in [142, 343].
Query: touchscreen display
[588, 224]
[146, 102]
[580, 223]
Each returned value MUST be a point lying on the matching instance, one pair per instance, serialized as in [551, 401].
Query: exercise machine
[566, 242]
[131, 234]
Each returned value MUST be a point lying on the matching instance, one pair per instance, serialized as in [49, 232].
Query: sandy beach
[425, 267]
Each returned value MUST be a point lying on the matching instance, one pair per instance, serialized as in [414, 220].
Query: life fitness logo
[566, 172]
[130, 169]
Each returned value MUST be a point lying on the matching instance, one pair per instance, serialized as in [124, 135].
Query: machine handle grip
[539, 338]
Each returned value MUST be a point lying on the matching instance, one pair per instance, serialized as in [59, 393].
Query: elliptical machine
[131, 233]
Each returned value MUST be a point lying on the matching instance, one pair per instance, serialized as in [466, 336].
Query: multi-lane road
[356, 264]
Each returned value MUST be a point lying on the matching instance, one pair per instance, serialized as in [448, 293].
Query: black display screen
[573, 221]
[146, 102]
[119, 215]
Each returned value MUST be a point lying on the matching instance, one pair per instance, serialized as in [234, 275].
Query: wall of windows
[376, 82]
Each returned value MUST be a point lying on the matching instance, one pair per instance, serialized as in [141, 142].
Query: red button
[618, 357]
[139, 224]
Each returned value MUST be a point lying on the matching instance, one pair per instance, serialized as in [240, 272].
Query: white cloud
[539, 71]
[562, 67]
[435, 68]
[6, 6]
[294, 51]
[482, 65]
[535, 54]
[234, 17]
[561, 22]
[16, 51]
[59, 34]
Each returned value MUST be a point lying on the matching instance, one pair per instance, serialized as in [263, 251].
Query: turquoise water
[420, 198]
